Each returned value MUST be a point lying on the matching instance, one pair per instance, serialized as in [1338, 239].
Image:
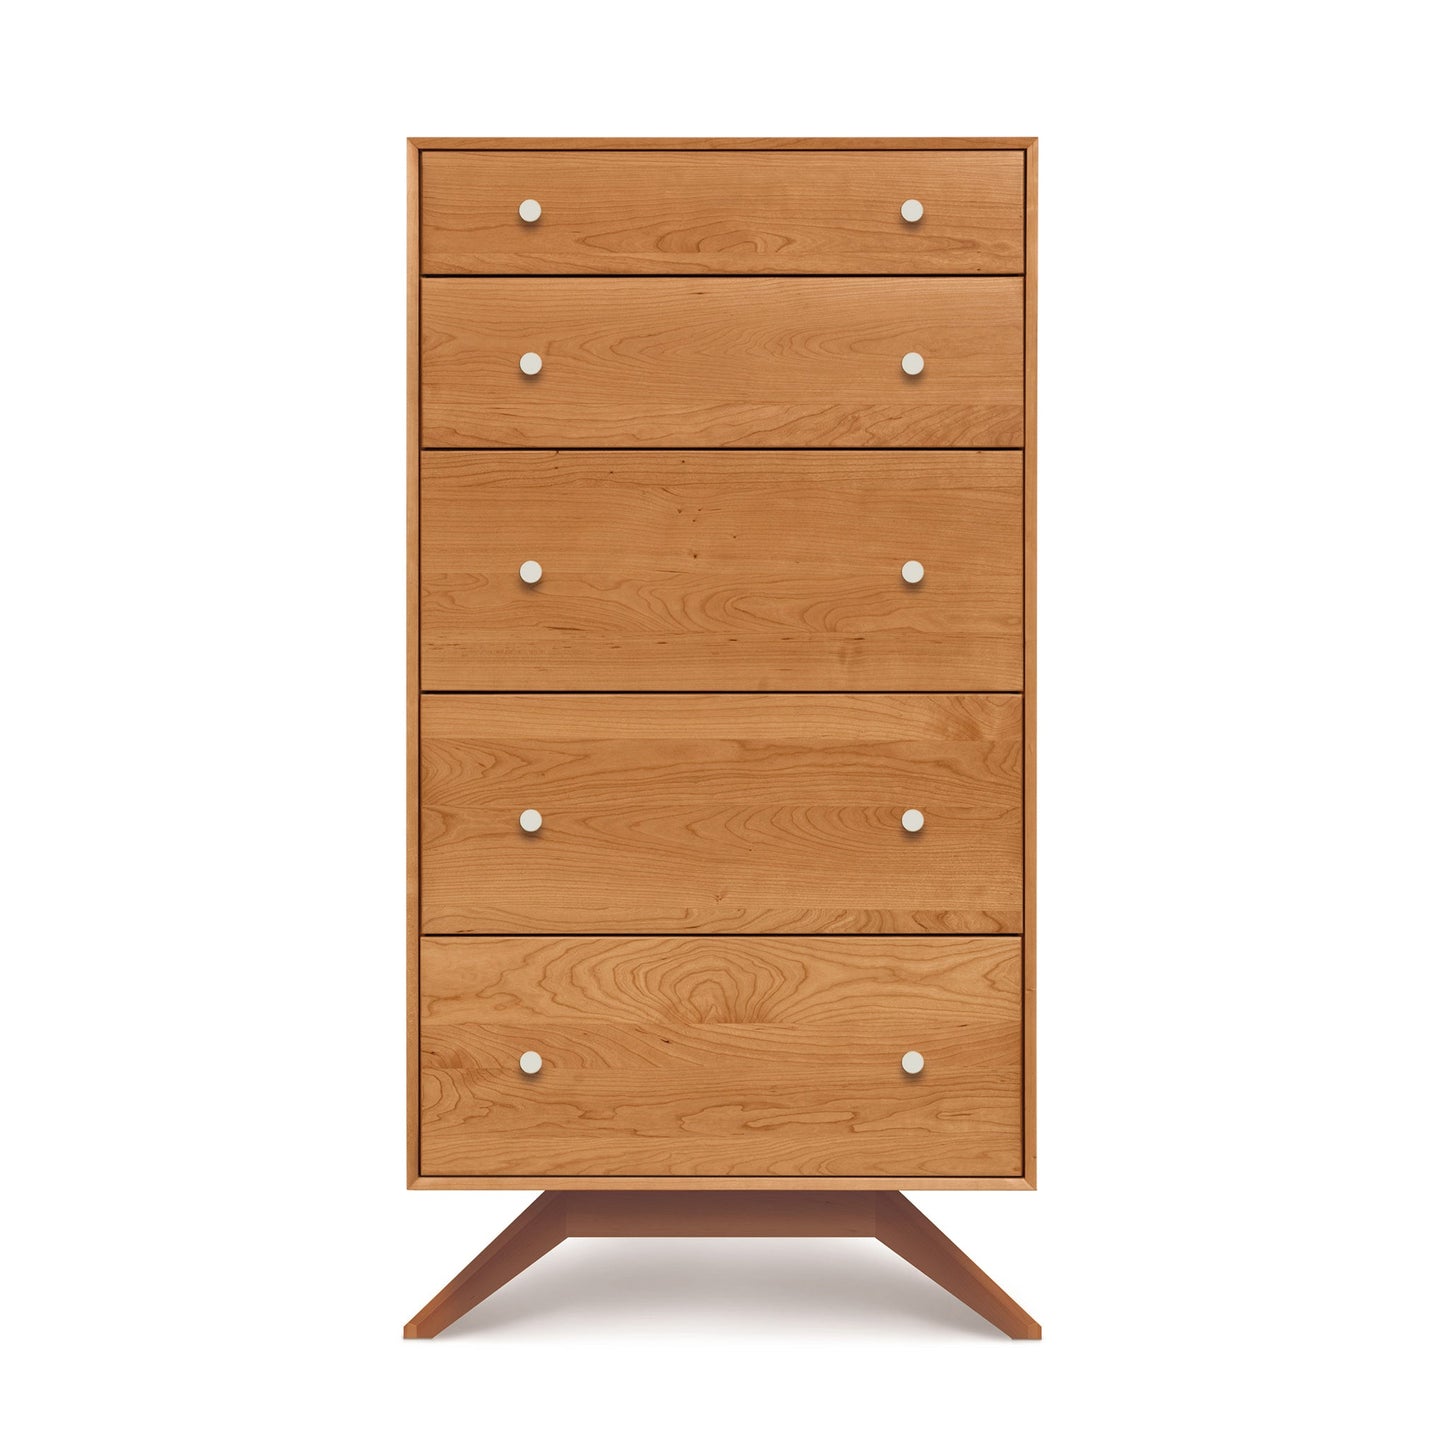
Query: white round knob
[912, 1062]
[531, 572]
[531, 1062]
[910, 211]
[912, 571]
[531, 211]
[912, 821]
[531, 364]
[912, 363]
[531, 820]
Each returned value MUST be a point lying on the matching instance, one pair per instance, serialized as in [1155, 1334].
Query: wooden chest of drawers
[720, 671]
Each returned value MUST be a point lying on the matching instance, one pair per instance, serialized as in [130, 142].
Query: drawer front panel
[722, 570]
[682, 214]
[689, 1056]
[723, 362]
[728, 813]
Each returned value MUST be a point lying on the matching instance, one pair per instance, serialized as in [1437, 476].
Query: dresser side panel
[413, 662]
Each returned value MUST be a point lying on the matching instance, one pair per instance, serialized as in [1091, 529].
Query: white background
[1236, 1231]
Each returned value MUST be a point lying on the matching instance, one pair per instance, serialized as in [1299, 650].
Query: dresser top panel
[770, 143]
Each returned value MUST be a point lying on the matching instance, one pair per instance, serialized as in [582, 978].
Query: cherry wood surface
[722, 361]
[413, 656]
[729, 813]
[725, 1183]
[911, 1235]
[1030, 653]
[713, 1214]
[719, 570]
[603, 151]
[731, 143]
[716, 213]
[540, 1228]
[880, 1214]
[750, 1056]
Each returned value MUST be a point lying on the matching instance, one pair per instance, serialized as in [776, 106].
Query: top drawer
[689, 213]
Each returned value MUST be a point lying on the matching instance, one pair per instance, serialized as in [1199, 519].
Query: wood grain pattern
[745, 361]
[721, 1056]
[688, 813]
[722, 570]
[700, 213]
[742, 1184]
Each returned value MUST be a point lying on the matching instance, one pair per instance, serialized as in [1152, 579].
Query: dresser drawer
[750, 571]
[722, 813]
[756, 362]
[744, 214]
[743, 1056]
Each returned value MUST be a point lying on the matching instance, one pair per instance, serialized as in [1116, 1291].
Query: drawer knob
[912, 364]
[531, 820]
[911, 211]
[531, 363]
[912, 571]
[912, 1062]
[531, 211]
[912, 821]
[531, 1062]
[531, 572]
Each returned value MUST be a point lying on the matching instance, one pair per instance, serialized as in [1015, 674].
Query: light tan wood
[1030, 698]
[736, 813]
[742, 361]
[754, 1056]
[627, 1213]
[413, 662]
[540, 1228]
[722, 570]
[756, 143]
[917, 1239]
[716, 213]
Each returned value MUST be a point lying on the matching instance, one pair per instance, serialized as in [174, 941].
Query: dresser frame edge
[1030, 705]
[733, 143]
[741, 1182]
[413, 664]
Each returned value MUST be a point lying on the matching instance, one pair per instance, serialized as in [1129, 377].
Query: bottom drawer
[721, 1056]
